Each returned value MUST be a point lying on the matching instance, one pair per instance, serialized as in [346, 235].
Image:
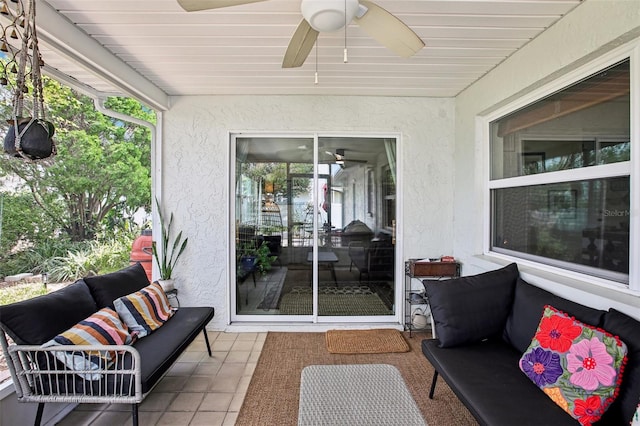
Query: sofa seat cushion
[577, 366]
[108, 287]
[472, 308]
[38, 320]
[528, 304]
[161, 348]
[158, 352]
[486, 378]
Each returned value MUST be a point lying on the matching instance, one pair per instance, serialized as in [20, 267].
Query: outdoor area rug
[339, 301]
[273, 394]
[377, 341]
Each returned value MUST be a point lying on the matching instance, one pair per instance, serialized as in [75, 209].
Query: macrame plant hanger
[30, 135]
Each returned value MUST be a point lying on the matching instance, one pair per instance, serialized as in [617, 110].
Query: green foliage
[21, 292]
[102, 171]
[167, 259]
[65, 260]
[96, 258]
[21, 220]
[262, 254]
[277, 173]
[35, 258]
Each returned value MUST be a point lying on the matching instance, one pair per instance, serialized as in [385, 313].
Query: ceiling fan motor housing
[328, 15]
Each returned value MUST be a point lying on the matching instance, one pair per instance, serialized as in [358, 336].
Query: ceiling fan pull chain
[316, 76]
[345, 59]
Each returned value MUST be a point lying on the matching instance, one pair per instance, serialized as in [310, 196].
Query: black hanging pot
[35, 143]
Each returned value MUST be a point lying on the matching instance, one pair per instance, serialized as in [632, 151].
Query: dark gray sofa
[484, 323]
[39, 377]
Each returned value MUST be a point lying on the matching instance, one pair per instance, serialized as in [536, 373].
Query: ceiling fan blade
[388, 30]
[194, 5]
[300, 45]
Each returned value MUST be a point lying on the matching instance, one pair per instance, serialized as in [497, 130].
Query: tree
[102, 166]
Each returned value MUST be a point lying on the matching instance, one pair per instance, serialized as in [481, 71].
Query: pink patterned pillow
[578, 366]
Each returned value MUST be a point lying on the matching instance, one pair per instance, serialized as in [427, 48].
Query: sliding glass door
[313, 228]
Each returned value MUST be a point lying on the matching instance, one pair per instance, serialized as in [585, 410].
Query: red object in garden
[141, 251]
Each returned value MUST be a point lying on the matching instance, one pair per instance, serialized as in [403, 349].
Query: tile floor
[198, 390]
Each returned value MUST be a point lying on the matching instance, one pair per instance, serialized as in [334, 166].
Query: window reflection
[329, 222]
[583, 223]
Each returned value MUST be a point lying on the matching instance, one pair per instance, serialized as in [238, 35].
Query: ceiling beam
[61, 35]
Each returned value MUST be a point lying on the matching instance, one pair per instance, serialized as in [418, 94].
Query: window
[560, 177]
[388, 198]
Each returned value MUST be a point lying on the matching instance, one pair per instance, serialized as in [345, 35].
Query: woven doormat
[365, 341]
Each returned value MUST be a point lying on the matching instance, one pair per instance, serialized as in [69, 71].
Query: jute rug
[366, 341]
[274, 391]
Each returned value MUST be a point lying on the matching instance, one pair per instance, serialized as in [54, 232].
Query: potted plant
[256, 258]
[170, 253]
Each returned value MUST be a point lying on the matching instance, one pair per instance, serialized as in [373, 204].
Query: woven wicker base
[365, 341]
[370, 394]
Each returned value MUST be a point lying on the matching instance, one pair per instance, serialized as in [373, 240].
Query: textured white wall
[196, 163]
[592, 29]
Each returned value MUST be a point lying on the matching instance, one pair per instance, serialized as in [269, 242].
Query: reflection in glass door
[314, 242]
[356, 251]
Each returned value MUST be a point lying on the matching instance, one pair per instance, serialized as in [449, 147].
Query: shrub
[67, 261]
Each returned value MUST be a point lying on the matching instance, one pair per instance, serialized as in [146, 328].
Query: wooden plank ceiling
[239, 50]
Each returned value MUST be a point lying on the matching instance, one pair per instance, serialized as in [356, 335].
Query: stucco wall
[590, 30]
[195, 167]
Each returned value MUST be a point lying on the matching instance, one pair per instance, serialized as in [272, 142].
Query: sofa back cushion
[108, 287]
[622, 409]
[471, 308]
[38, 320]
[528, 305]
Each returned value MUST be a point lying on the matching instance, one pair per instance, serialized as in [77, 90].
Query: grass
[16, 293]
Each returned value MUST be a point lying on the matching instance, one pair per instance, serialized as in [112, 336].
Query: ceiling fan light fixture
[328, 15]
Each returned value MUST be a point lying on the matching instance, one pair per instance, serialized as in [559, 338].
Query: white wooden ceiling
[239, 50]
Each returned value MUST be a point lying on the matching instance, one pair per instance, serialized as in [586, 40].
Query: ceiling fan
[332, 15]
[340, 158]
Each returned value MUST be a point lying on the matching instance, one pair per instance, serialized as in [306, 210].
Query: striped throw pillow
[145, 310]
[102, 328]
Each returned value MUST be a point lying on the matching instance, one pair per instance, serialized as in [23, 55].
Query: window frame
[631, 168]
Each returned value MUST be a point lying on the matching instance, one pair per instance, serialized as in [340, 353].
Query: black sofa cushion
[528, 305]
[162, 348]
[496, 396]
[473, 308]
[623, 407]
[38, 320]
[108, 287]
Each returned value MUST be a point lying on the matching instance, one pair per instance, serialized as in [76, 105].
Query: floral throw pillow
[578, 366]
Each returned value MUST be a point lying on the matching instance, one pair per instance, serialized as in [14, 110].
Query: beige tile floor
[198, 390]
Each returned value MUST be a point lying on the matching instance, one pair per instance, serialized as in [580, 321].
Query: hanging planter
[30, 135]
[34, 137]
